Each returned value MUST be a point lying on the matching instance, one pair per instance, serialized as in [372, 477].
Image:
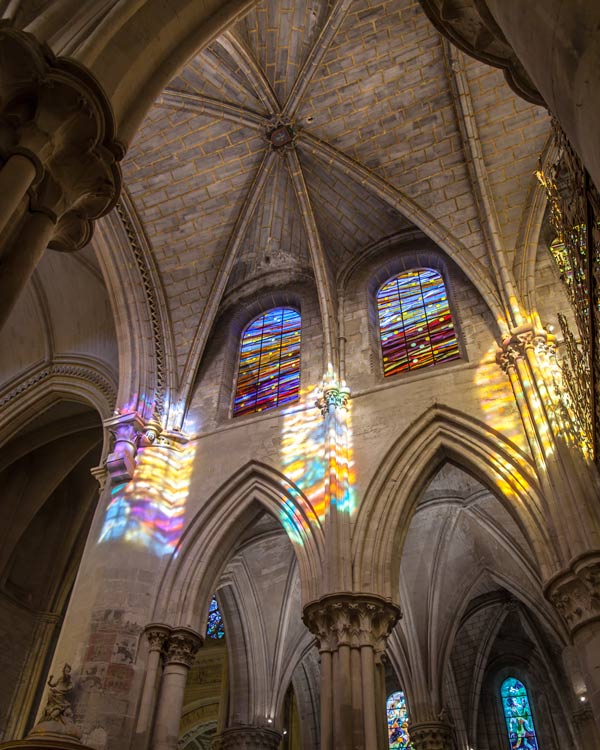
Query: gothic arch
[206, 545]
[441, 434]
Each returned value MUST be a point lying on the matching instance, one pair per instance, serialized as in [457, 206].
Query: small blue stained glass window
[215, 628]
[269, 371]
[415, 322]
[517, 713]
[397, 719]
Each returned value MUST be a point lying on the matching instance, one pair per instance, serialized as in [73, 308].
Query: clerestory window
[269, 367]
[415, 323]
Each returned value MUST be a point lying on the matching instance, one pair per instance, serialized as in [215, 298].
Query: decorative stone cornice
[470, 26]
[54, 114]
[247, 738]
[576, 592]
[182, 646]
[354, 620]
[431, 735]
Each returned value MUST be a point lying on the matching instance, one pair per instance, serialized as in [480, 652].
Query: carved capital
[182, 646]
[55, 113]
[353, 620]
[125, 430]
[431, 735]
[157, 635]
[576, 592]
[470, 26]
[248, 738]
[333, 395]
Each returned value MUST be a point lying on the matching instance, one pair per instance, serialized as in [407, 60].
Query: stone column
[180, 650]
[431, 735]
[58, 159]
[157, 636]
[247, 738]
[351, 630]
[576, 595]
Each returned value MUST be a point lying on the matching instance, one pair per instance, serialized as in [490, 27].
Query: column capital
[575, 592]
[247, 738]
[157, 635]
[431, 735]
[181, 646]
[62, 121]
[515, 345]
[351, 620]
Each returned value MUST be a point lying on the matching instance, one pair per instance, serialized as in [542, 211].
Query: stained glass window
[517, 712]
[397, 719]
[415, 322]
[269, 372]
[215, 628]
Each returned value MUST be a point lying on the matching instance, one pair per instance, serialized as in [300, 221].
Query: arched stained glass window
[517, 712]
[215, 628]
[269, 371]
[397, 719]
[415, 322]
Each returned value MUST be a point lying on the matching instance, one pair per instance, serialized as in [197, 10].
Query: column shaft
[15, 178]
[368, 697]
[20, 257]
[326, 701]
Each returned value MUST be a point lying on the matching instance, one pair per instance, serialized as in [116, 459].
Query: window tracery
[269, 366]
[415, 323]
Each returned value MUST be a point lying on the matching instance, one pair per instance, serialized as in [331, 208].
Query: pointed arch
[192, 572]
[439, 435]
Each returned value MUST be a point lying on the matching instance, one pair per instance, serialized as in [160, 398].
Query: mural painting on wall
[111, 652]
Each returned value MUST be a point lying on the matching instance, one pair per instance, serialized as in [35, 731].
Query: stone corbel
[575, 593]
[126, 430]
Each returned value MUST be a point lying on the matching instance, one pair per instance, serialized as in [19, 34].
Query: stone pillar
[58, 159]
[585, 726]
[431, 735]
[351, 630]
[576, 595]
[180, 650]
[247, 738]
[157, 636]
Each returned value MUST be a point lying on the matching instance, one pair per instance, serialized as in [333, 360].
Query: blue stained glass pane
[269, 371]
[517, 712]
[415, 322]
[397, 719]
[215, 627]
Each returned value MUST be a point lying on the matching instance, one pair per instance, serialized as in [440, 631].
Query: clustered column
[247, 738]
[352, 630]
[58, 159]
[176, 648]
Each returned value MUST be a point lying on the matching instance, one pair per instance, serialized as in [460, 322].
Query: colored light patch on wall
[149, 510]
[517, 713]
[397, 720]
[215, 628]
[415, 323]
[269, 368]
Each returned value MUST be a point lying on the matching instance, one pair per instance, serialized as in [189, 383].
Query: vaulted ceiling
[364, 91]
[388, 127]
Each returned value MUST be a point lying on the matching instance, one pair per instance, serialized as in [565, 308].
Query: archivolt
[206, 545]
[441, 434]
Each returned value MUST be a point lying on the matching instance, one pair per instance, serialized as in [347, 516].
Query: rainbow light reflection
[314, 454]
[149, 509]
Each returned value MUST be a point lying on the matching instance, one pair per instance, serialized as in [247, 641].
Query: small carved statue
[58, 705]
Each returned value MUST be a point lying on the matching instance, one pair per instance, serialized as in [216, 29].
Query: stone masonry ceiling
[305, 134]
